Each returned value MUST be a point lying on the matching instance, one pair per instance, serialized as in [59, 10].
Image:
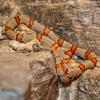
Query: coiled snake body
[61, 49]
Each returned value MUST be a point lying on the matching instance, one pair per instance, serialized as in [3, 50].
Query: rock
[68, 92]
[4, 46]
[84, 17]
[6, 49]
[15, 76]
[89, 85]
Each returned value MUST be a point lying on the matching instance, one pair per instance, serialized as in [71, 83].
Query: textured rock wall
[75, 20]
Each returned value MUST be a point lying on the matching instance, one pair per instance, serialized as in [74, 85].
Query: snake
[59, 47]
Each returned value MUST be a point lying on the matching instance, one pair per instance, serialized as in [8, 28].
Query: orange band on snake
[7, 28]
[30, 23]
[87, 53]
[73, 48]
[59, 65]
[19, 37]
[65, 61]
[94, 60]
[54, 47]
[70, 79]
[17, 19]
[69, 53]
[60, 42]
[46, 30]
[65, 70]
[82, 67]
[39, 37]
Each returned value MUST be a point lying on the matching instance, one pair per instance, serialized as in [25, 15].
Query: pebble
[1, 31]
[75, 57]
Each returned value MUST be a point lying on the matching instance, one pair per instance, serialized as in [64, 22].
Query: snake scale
[60, 49]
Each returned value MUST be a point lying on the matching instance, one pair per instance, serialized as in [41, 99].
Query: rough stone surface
[15, 76]
[75, 20]
[5, 47]
[89, 85]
